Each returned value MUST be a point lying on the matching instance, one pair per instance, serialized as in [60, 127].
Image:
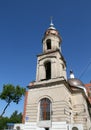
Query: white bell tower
[51, 63]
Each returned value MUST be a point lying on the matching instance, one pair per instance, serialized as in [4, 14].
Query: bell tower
[51, 63]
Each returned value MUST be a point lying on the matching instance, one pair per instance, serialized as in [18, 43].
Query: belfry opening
[48, 43]
[48, 70]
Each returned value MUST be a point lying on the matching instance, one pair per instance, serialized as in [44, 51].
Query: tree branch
[5, 108]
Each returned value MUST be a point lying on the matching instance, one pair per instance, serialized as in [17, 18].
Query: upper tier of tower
[52, 39]
[51, 64]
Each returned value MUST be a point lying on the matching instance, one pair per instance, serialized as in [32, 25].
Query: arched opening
[46, 128]
[48, 70]
[18, 127]
[45, 109]
[48, 44]
[74, 128]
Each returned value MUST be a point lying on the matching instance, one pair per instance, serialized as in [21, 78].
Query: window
[48, 70]
[18, 127]
[74, 128]
[46, 128]
[48, 43]
[59, 44]
[45, 109]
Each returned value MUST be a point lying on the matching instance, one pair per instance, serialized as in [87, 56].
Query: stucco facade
[66, 106]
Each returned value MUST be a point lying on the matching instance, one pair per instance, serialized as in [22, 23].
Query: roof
[88, 88]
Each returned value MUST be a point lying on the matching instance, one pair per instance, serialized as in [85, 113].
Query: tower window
[59, 44]
[48, 43]
[48, 70]
[46, 128]
[45, 109]
[74, 128]
[18, 127]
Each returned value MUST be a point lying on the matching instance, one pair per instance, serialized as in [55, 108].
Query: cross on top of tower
[51, 24]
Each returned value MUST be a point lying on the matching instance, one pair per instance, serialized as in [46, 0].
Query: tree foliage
[14, 118]
[3, 122]
[10, 94]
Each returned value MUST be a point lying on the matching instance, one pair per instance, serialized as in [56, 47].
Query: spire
[51, 25]
[72, 74]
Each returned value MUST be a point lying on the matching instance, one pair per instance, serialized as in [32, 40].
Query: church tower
[51, 64]
[52, 102]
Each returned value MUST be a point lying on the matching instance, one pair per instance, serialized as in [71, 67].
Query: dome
[74, 82]
[52, 30]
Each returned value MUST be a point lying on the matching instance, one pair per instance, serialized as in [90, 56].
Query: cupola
[51, 39]
[76, 83]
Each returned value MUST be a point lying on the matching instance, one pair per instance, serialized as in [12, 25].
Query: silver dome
[74, 82]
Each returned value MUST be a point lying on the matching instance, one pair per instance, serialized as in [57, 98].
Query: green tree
[10, 94]
[3, 122]
[15, 117]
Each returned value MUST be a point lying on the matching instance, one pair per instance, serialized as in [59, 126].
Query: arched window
[46, 128]
[48, 70]
[74, 128]
[45, 109]
[48, 44]
[18, 127]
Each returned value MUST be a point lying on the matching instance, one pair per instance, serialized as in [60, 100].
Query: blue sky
[22, 26]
